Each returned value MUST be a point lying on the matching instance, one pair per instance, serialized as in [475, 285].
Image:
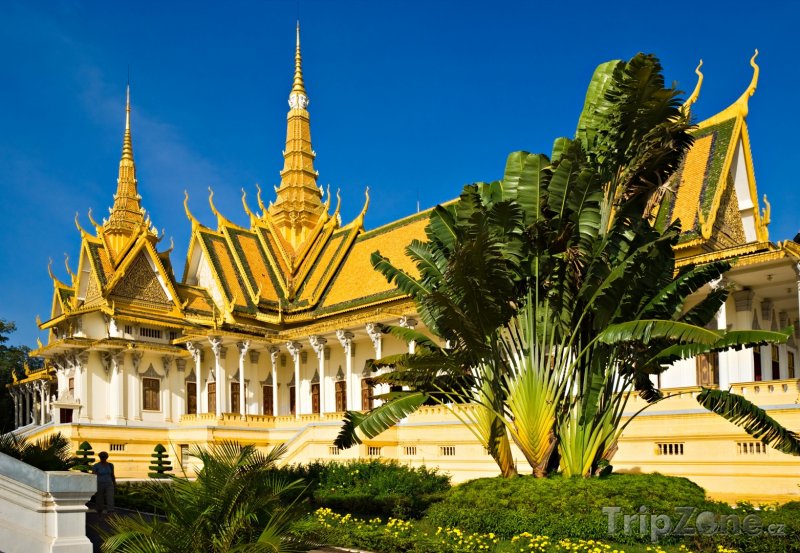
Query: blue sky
[413, 99]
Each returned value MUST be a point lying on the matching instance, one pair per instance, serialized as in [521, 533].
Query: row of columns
[27, 410]
[294, 349]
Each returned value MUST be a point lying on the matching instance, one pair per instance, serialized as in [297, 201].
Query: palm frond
[379, 419]
[751, 418]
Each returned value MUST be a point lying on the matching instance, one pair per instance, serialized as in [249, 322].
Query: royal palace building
[265, 337]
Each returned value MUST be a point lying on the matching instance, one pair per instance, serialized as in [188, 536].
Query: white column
[410, 323]
[166, 389]
[345, 338]
[82, 368]
[242, 347]
[726, 358]
[274, 351]
[219, 377]
[135, 387]
[28, 419]
[43, 386]
[318, 344]
[13, 393]
[375, 334]
[294, 350]
[194, 349]
[118, 387]
[744, 321]
[182, 392]
[255, 409]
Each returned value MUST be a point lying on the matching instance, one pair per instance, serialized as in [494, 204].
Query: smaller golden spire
[298, 86]
[696, 93]
[127, 143]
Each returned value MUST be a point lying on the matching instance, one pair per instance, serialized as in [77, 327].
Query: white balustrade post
[43, 392]
[345, 338]
[274, 351]
[242, 347]
[294, 350]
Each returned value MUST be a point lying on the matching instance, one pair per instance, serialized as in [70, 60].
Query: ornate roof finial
[696, 93]
[126, 214]
[195, 222]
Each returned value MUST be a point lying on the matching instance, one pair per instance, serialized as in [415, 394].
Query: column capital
[136, 358]
[318, 344]
[375, 333]
[407, 322]
[345, 338]
[216, 345]
[243, 347]
[294, 349]
[166, 362]
[274, 351]
[180, 364]
[195, 349]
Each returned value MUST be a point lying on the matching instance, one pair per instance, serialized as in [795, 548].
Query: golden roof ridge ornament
[253, 217]
[696, 93]
[751, 88]
[195, 223]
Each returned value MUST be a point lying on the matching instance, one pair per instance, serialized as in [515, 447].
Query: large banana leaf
[754, 420]
[379, 419]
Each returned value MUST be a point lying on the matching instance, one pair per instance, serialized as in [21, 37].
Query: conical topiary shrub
[84, 458]
[161, 463]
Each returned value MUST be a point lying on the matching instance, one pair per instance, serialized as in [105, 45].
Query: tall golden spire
[298, 205]
[126, 214]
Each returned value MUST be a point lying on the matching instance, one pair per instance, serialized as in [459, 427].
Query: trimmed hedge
[370, 488]
[573, 508]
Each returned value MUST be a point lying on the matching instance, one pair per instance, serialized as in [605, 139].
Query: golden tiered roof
[295, 270]
[702, 194]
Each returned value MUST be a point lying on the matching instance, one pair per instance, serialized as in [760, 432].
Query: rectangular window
[757, 364]
[129, 329]
[212, 397]
[341, 395]
[191, 398]
[151, 388]
[315, 398]
[410, 450]
[333, 450]
[776, 362]
[292, 401]
[267, 403]
[235, 399]
[116, 447]
[145, 332]
[184, 454]
[707, 369]
[373, 451]
[790, 359]
[173, 335]
[366, 394]
[447, 450]
[71, 386]
[670, 448]
[751, 448]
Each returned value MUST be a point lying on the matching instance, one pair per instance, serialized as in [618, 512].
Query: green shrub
[379, 488]
[558, 507]
[161, 465]
[138, 495]
[573, 508]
